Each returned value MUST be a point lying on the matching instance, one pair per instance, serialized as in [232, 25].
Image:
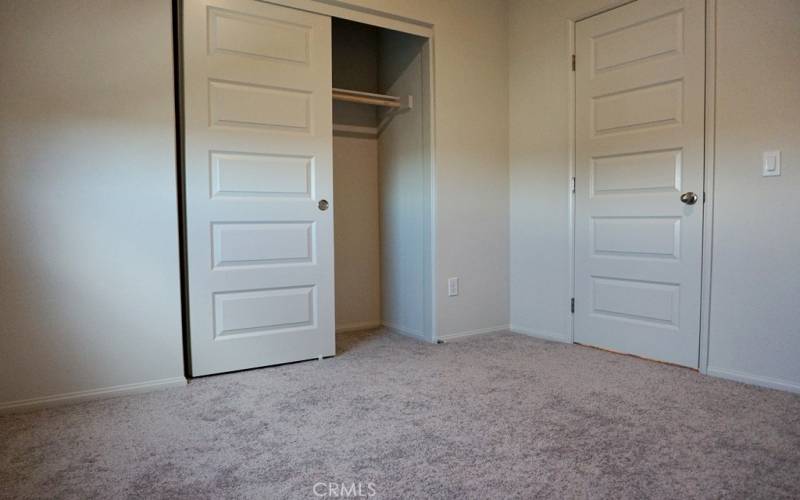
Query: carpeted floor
[493, 416]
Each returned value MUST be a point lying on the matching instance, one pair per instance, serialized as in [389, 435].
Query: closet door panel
[258, 163]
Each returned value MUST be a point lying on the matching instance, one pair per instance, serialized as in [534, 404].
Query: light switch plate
[452, 287]
[771, 165]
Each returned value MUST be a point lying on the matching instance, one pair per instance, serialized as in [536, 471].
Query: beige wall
[89, 282]
[755, 318]
[471, 82]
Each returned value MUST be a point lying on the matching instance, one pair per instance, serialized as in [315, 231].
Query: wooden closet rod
[388, 101]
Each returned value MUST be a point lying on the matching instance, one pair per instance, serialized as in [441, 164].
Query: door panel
[637, 172]
[254, 106]
[257, 89]
[638, 109]
[639, 145]
[659, 36]
[262, 175]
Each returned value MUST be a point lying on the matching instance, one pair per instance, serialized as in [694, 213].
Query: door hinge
[573, 62]
[572, 184]
[572, 305]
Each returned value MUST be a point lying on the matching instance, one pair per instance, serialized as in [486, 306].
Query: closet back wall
[355, 180]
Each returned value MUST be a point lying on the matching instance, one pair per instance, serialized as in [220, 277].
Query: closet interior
[381, 174]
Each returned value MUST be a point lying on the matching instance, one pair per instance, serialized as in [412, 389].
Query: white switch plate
[452, 287]
[771, 166]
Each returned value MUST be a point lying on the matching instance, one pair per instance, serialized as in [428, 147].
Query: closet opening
[382, 180]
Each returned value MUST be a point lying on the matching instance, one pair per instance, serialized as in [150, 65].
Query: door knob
[323, 205]
[689, 198]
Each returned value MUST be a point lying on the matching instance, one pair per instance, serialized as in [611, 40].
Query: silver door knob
[689, 198]
[323, 205]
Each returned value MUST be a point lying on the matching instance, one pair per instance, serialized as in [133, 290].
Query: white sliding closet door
[257, 83]
[639, 164]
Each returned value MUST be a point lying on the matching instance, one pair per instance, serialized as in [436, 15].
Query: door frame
[708, 172]
[353, 13]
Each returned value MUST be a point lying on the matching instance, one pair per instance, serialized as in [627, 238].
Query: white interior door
[639, 147]
[257, 83]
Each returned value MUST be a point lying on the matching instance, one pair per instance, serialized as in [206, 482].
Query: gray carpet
[494, 416]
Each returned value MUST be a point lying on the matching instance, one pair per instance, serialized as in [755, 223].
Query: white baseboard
[102, 393]
[470, 333]
[747, 378]
[357, 327]
[405, 331]
[541, 334]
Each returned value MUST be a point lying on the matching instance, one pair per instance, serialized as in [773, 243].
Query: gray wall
[87, 186]
[539, 72]
[403, 186]
[755, 294]
[471, 154]
[89, 270]
[755, 311]
[89, 288]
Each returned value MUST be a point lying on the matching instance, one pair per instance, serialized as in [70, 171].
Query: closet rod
[366, 98]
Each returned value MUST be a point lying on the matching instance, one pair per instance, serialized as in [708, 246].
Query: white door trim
[365, 15]
[571, 179]
[708, 173]
[708, 185]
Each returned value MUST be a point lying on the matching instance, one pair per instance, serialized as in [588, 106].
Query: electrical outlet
[452, 287]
